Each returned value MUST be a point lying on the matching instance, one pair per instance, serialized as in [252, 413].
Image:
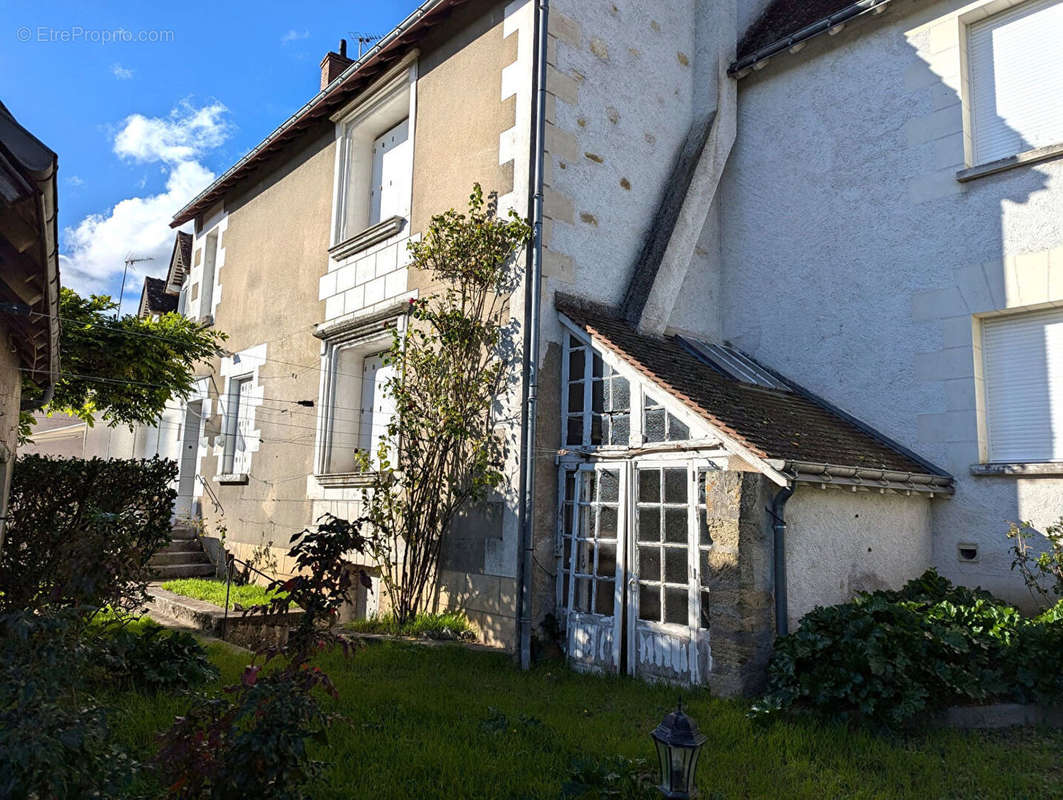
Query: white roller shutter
[1016, 80]
[1023, 372]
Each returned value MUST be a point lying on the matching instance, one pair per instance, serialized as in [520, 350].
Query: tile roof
[158, 300]
[793, 426]
[184, 240]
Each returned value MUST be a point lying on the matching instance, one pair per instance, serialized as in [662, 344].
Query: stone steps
[168, 571]
[183, 557]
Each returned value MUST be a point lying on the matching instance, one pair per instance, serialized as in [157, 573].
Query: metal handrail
[230, 561]
[210, 494]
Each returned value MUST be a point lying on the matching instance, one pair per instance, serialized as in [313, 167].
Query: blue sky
[141, 126]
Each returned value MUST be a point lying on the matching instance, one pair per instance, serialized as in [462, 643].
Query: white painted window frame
[362, 119]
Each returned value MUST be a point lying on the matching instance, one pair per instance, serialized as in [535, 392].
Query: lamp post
[678, 742]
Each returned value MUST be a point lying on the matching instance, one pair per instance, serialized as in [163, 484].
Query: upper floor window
[1022, 371]
[235, 451]
[375, 165]
[206, 291]
[1015, 77]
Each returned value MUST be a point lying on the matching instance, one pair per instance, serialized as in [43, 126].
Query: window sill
[232, 479]
[367, 238]
[1019, 469]
[346, 480]
[1011, 162]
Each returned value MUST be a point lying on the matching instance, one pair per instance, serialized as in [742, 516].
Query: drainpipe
[778, 512]
[531, 340]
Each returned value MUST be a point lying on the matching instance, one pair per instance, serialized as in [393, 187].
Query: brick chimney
[334, 63]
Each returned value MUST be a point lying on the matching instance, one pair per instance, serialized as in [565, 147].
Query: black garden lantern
[678, 742]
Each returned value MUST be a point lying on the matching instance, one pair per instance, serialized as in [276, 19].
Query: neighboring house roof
[154, 299]
[180, 261]
[29, 252]
[791, 426]
[786, 23]
[350, 82]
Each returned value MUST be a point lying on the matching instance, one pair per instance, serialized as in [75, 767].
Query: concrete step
[187, 570]
[182, 534]
[188, 557]
[183, 546]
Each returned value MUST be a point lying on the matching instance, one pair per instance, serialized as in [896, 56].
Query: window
[599, 400]
[357, 407]
[374, 178]
[1015, 78]
[589, 539]
[660, 426]
[206, 292]
[237, 419]
[1022, 370]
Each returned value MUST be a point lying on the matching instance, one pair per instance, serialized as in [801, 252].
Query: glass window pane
[655, 425]
[582, 601]
[575, 397]
[620, 430]
[676, 606]
[586, 486]
[564, 590]
[649, 563]
[621, 398]
[677, 431]
[608, 486]
[705, 610]
[575, 364]
[675, 525]
[650, 603]
[675, 485]
[607, 522]
[704, 537]
[567, 518]
[606, 560]
[574, 435]
[599, 366]
[604, 598]
[649, 524]
[704, 567]
[649, 402]
[597, 396]
[596, 429]
[675, 565]
[587, 515]
[584, 557]
[649, 485]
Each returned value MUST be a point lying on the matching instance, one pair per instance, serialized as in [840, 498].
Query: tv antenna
[363, 39]
[130, 260]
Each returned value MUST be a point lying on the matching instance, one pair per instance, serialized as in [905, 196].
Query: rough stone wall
[854, 261]
[840, 542]
[741, 616]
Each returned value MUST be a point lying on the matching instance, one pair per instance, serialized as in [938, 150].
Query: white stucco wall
[840, 542]
[853, 261]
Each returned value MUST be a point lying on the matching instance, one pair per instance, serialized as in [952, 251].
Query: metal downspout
[778, 548]
[531, 341]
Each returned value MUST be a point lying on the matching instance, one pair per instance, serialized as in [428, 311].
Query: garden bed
[450, 722]
[236, 627]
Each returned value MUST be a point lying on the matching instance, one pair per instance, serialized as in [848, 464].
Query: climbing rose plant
[441, 452]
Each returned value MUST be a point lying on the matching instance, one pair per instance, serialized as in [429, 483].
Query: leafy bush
[448, 625]
[890, 656]
[252, 742]
[81, 532]
[150, 657]
[54, 740]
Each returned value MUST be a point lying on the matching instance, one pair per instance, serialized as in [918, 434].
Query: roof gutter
[867, 478]
[370, 55]
[831, 24]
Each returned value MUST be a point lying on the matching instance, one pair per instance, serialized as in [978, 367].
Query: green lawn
[448, 625]
[425, 722]
[211, 590]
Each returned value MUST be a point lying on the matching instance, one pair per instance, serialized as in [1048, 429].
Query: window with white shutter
[1022, 367]
[1015, 76]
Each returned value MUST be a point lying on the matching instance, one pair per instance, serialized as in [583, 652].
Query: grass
[417, 721]
[449, 625]
[210, 590]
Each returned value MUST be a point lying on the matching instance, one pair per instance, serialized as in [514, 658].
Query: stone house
[29, 285]
[791, 312]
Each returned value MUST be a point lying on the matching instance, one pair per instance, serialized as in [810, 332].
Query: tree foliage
[442, 451]
[1039, 565]
[81, 532]
[124, 370]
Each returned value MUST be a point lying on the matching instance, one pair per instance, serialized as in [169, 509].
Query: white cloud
[120, 72]
[75, 180]
[94, 250]
[294, 35]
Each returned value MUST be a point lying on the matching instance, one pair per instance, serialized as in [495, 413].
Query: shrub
[889, 656]
[54, 740]
[81, 532]
[447, 625]
[253, 741]
[150, 657]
